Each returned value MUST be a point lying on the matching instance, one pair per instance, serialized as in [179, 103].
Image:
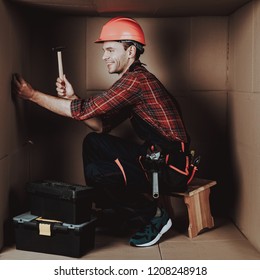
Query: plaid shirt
[136, 93]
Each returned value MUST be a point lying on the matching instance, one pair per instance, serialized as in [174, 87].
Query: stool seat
[197, 202]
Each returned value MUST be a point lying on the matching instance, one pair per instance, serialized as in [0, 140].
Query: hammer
[59, 56]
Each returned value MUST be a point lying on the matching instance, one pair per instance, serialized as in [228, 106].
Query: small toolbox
[32, 233]
[54, 200]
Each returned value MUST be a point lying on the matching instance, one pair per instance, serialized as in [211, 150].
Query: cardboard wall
[14, 151]
[243, 118]
[56, 153]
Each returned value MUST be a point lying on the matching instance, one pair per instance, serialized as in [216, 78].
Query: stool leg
[199, 212]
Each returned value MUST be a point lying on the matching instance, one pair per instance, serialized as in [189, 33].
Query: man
[121, 170]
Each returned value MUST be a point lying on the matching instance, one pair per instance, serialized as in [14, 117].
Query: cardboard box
[33, 233]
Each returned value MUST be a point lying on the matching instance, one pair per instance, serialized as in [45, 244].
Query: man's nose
[105, 55]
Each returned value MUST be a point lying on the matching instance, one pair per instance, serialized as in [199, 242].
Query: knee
[92, 142]
[90, 139]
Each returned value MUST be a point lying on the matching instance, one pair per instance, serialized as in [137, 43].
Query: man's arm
[52, 103]
[60, 106]
[65, 90]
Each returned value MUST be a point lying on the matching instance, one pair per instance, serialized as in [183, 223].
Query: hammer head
[58, 49]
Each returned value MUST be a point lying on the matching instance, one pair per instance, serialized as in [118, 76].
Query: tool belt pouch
[174, 174]
[173, 170]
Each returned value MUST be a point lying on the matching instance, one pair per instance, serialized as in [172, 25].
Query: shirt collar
[134, 65]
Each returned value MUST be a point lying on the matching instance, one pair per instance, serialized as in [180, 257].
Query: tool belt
[173, 169]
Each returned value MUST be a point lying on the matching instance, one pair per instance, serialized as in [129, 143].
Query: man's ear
[132, 51]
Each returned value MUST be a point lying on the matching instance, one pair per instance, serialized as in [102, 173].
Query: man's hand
[65, 89]
[22, 88]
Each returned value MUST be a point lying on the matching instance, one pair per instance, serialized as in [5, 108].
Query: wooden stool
[196, 199]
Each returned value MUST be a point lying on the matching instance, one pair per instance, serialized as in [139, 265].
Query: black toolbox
[65, 202]
[33, 233]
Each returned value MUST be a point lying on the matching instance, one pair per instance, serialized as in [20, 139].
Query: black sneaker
[152, 232]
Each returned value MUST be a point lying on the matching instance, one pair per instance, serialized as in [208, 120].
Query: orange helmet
[122, 28]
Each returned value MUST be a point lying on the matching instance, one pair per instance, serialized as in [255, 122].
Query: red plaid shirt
[137, 92]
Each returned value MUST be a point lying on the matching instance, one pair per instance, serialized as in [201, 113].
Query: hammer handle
[60, 66]
[155, 185]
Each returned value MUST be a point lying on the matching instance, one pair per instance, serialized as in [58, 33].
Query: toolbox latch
[45, 229]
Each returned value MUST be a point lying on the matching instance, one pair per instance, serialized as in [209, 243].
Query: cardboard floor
[224, 242]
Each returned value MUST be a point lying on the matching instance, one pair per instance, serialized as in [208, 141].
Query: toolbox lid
[59, 190]
[28, 218]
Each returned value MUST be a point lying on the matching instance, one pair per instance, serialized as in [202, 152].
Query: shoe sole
[164, 229]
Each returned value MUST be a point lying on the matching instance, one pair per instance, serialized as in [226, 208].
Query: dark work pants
[111, 166]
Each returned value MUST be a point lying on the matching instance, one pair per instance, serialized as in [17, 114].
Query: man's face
[115, 57]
